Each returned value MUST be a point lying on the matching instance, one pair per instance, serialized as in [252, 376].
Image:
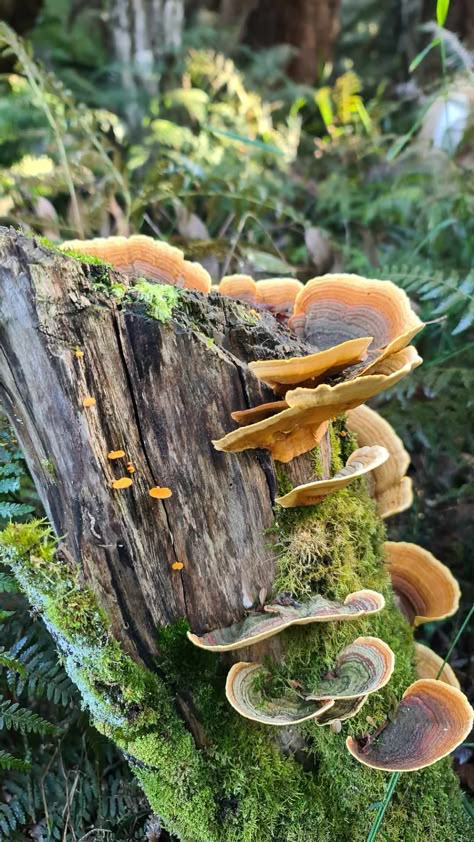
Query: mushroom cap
[310, 407]
[300, 369]
[342, 709]
[122, 482]
[432, 719]
[426, 589]
[361, 462]
[277, 295]
[363, 667]
[243, 417]
[334, 308]
[256, 627]
[246, 698]
[429, 663]
[115, 454]
[395, 499]
[142, 255]
[242, 287]
[160, 492]
[393, 491]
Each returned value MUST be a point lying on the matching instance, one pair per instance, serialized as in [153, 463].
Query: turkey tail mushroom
[363, 667]
[424, 587]
[432, 719]
[430, 665]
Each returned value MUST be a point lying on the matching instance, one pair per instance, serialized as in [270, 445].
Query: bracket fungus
[360, 462]
[297, 370]
[277, 295]
[159, 492]
[122, 482]
[363, 667]
[432, 719]
[142, 255]
[241, 287]
[392, 489]
[334, 308]
[244, 694]
[342, 709]
[88, 401]
[308, 408]
[276, 617]
[115, 454]
[429, 664]
[425, 588]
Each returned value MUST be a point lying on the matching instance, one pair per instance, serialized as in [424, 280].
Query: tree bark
[310, 26]
[163, 391]
[164, 386]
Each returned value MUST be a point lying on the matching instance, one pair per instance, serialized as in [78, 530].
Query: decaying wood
[163, 391]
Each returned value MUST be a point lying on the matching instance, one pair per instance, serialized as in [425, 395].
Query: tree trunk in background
[164, 386]
[142, 33]
[310, 26]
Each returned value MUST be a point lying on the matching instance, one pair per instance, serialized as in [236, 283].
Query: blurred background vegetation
[266, 137]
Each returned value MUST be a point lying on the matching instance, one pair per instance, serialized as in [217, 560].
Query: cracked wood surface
[162, 391]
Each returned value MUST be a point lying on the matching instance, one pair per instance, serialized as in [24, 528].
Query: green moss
[161, 299]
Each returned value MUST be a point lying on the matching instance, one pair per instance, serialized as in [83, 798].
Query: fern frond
[12, 716]
[6, 660]
[9, 510]
[8, 584]
[8, 762]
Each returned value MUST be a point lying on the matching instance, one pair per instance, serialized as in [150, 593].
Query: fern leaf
[10, 663]
[9, 510]
[8, 584]
[9, 485]
[12, 716]
[9, 762]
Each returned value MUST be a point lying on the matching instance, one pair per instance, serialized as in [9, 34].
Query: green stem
[383, 807]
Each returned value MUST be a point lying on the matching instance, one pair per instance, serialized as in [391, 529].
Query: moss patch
[160, 299]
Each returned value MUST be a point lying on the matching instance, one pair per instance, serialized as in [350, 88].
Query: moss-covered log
[166, 368]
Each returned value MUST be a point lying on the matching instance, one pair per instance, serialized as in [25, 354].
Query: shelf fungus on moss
[425, 589]
[432, 719]
[342, 709]
[334, 308]
[278, 616]
[360, 462]
[142, 255]
[244, 693]
[429, 664]
[363, 667]
[308, 408]
[392, 489]
[298, 370]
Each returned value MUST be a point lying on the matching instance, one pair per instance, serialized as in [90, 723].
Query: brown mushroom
[310, 407]
[429, 664]
[432, 719]
[361, 462]
[392, 489]
[425, 588]
[334, 308]
[259, 626]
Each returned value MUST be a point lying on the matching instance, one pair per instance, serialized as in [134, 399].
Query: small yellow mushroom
[177, 565]
[115, 454]
[88, 401]
[130, 468]
[79, 354]
[123, 482]
[160, 493]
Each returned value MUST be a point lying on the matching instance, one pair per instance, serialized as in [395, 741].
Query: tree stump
[132, 572]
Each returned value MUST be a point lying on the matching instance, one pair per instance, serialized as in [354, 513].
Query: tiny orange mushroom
[123, 482]
[177, 565]
[160, 493]
[78, 353]
[115, 454]
[88, 401]
[130, 468]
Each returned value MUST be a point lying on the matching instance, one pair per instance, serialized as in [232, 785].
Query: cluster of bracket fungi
[360, 330]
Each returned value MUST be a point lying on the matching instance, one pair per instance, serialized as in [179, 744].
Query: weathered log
[162, 391]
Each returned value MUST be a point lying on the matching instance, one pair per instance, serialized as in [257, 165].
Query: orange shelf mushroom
[241, 287]
[123, 482]
[88, 401]
[432, 719]
[361, 462]
[429, 664]
[160, 492]
[425, 588]
[277, 295]
[334, 308]
[244, 694]
[141, 255]
[392, 489]
[298, 370]
[363, 667]
[308, 408]
[260, 626]
[115, 454]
